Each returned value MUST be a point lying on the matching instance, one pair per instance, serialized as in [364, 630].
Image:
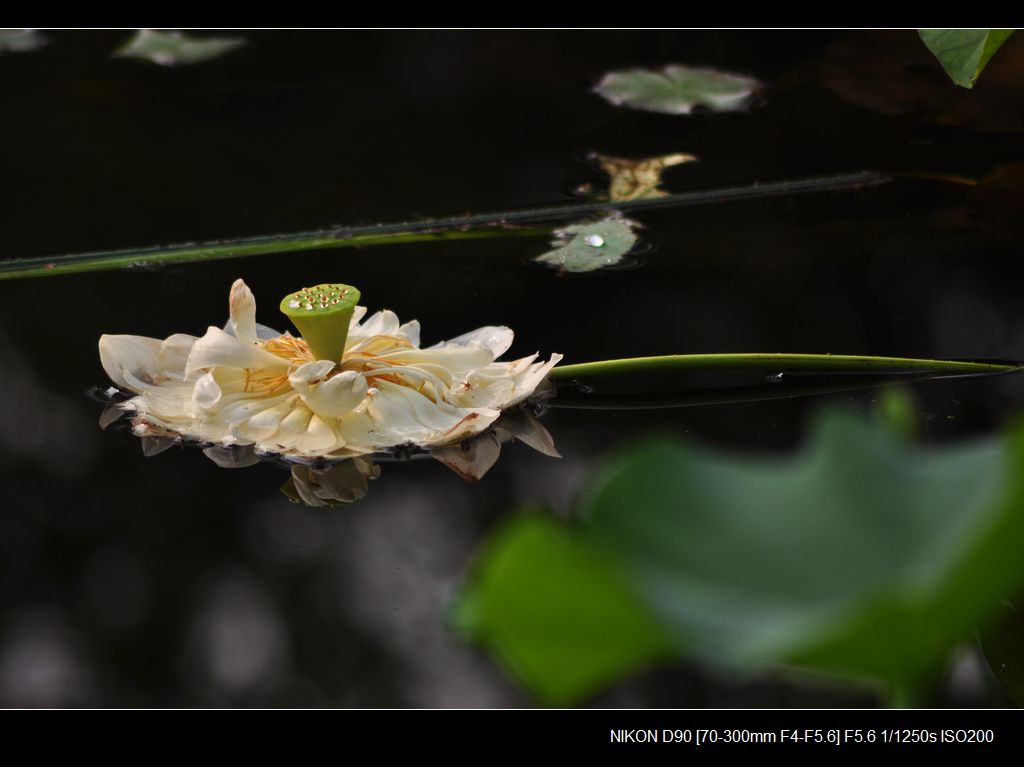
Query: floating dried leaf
[638, 179]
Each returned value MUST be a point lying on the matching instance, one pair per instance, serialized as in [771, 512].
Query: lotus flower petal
[247, 385]
[218, 349]
[135, 355]
[329, 396]
[495, 338]
[242, 306]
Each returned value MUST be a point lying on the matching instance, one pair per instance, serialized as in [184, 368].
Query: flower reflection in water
[322, 482]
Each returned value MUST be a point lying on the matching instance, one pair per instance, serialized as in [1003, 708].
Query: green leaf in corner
[864, 557]
[963, 53]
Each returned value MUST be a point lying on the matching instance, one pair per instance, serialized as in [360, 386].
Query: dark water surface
[166, 581]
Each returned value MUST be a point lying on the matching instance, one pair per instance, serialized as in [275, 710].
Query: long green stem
[815, 363]
[238, 248]
[473, 226]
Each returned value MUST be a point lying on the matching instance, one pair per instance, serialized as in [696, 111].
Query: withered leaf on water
[638, 179]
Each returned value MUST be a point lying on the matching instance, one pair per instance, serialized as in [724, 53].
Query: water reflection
[321, 482]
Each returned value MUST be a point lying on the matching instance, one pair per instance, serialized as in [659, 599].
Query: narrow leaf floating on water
[817, 363]
[462, 227]
[863, 557]
[20, 40]
[638, 179]
[677, 90]
[588, 246]
[170, 49]
[964, 53]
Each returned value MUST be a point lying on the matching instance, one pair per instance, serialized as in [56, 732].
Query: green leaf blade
[964, 53]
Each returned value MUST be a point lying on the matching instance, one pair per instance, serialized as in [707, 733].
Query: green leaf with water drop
[864, 557]
[588, 246]
[963, 53]
[677, 90]
[170, 49]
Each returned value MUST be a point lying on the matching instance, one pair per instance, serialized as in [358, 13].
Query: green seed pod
[322, 315]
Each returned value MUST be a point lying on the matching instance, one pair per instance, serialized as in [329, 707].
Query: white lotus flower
[249, 385]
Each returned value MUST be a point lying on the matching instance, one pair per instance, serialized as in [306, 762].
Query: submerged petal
[522, 425]
[345, 482]
[232, 456]
[473, 458]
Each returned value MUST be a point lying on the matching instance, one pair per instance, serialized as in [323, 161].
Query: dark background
[127, 581]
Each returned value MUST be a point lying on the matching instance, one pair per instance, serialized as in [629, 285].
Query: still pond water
[165, 581]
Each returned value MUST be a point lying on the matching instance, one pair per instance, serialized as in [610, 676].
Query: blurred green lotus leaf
[540, 598]
[963, 53]
[864, 557]
[170, 49]
[677, 90]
